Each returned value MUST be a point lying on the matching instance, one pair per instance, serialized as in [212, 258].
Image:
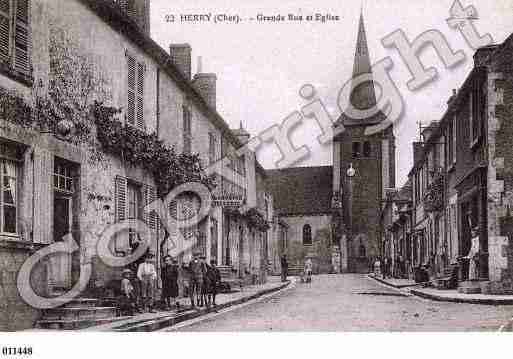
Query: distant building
[323, 206]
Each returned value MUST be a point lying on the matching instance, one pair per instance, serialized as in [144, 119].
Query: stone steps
[74, 324]
[79, 313]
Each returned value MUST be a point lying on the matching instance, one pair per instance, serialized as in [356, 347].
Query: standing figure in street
[128, 299]
[147, 275]
[216, 280]
[308, 270]
[284, 268]
[196, 280]
[473, 255]
[170, 282]
[385, 267]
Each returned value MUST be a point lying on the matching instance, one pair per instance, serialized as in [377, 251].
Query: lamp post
[350, 173]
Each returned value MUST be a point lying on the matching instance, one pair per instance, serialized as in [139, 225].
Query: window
[453, 144]
[212, 148]
[307, 235]
[356, 149]
[15, 34]
[135, 99]
[63, 176]
[477, 110]
[187, 130]
[8, 198]
[367, 149]
[240, 166]
[417, 188]
[133, 211]
[130, 200]
[361, 251]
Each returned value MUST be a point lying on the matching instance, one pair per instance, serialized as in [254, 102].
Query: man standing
[216, 280]
[147, 275]
[284, 268]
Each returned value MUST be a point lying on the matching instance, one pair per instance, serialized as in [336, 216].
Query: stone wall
[15, 314]
[321, 241]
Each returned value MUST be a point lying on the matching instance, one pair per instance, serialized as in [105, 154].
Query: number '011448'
[16, 351]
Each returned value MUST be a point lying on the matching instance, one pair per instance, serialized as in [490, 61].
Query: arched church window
[367, 150]
[307, 235]
[356, 149]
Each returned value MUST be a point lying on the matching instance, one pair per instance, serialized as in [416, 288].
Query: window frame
[9, 61]
[356, 149]
[307, 235]
[366, 149]
[135, 92]
[16, 160]
[187, 129]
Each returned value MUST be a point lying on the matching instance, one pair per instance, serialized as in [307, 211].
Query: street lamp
[351, 172]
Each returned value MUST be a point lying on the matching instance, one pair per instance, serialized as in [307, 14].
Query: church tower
[363, 167]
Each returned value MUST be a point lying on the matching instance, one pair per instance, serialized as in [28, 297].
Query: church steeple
[363, 96]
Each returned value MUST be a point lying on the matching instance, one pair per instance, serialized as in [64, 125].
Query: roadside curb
[483, 301]
[164, 322]
[382, 281]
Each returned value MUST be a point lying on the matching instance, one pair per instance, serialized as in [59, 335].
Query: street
[353, 302]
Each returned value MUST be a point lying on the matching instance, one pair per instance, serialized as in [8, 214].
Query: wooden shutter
[131, 9]
[131, 99]
[150, 195]
[120, 184]
[5, 29]
[22, 37]
[140, 95]
[43, 196]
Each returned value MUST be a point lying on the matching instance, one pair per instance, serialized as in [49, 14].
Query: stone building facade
[461, 178]
[58, 186]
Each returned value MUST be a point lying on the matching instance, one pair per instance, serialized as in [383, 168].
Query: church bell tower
[363, 167]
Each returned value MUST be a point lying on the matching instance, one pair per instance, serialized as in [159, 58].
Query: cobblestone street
[354, 302]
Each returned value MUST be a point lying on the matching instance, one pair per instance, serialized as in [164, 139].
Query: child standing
[128, 294]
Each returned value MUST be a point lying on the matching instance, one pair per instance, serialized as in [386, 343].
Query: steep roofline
[112, 15]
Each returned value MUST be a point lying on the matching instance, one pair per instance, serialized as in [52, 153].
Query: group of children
[143, 300]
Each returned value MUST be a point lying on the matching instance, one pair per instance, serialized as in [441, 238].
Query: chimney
[482, 54]
[181, 57]
[205, 84]
[453, 97]
[417, 151]
[138, 11]
[429, 130]
[241, 134]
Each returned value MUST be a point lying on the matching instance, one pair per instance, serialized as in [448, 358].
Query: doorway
[62, 225]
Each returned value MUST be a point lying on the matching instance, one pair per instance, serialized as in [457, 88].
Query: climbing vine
[139, 148]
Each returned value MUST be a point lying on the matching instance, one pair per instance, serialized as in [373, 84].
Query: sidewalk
[147, 322]
[394, 282]
[445, 295]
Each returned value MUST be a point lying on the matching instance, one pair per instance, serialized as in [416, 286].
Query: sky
[261, 66]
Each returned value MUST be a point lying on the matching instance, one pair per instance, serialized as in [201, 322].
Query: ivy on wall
[137, 148]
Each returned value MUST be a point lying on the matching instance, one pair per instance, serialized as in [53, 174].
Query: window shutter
[150, 195]
[43, 196]
[5, 29]
[131, 9]
[131, 100]
[121, 198]
[140, 95]
[22, 37]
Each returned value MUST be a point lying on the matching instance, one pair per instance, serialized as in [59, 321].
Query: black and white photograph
[256, 166]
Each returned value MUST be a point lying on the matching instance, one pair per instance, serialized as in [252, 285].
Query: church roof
[301, 190]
